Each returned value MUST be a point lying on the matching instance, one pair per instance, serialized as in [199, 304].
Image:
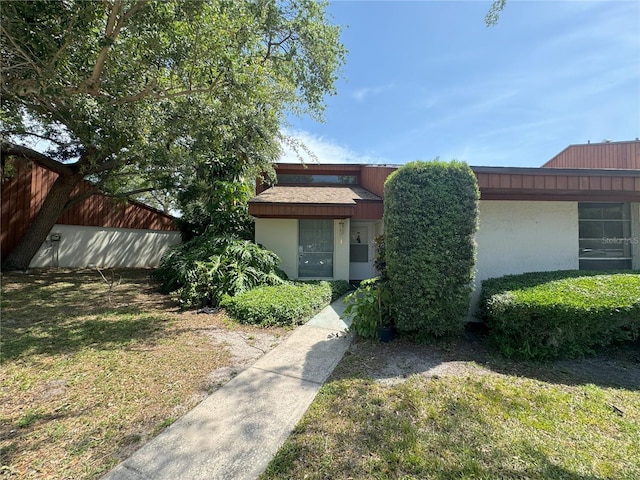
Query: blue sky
[427, 79]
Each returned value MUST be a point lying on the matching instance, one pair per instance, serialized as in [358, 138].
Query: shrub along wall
[430, 219]
[284, 305]
[560, 314]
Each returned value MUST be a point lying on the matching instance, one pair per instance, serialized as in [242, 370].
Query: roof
[344, 195]
[582, 185]
[606, 155]
[348, 201]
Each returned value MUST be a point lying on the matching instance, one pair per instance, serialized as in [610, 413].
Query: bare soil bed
[389, 363]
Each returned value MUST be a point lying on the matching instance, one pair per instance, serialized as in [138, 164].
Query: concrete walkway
[235, 432]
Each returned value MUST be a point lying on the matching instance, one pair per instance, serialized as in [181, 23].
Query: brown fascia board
[578, 172]
[547, 193]
[298, 204]
[551, 196]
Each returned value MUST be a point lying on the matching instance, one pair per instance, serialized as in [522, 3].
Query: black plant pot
[386, 334]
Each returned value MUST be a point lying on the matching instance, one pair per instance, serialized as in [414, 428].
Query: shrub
[337, 287]
[206, 268]
[368, 307]
[430, 218]
[285, 305]
[560, 314]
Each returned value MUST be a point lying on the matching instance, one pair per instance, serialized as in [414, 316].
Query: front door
[361, 251]
[315, 249]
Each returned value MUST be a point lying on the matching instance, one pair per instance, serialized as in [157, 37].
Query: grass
[89, 375]
[485, 422]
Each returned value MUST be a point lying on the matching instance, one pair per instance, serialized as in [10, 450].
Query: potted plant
[368, 309]
[386, 330]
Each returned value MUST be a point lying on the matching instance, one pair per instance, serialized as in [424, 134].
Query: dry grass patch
[88, 377]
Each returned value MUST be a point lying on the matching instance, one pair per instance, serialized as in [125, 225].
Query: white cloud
[324, 150]
[361, 94]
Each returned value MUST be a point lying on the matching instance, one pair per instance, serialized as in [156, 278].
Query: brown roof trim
[270, 210]
[578, 172]
[559, 197]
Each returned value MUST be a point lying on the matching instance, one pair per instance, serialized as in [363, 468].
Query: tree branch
[82, 196]
[23, 54]
[31, 134]
[164, 94]
[53, 165]
[112, 30]
[105, 166]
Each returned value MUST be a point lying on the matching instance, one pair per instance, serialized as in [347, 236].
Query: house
[95, 231]
[580, 210]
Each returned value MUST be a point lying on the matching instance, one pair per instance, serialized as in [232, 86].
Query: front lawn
[89, 375]
[462, 413]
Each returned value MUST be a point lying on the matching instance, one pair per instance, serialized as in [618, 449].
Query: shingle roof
[343, 195]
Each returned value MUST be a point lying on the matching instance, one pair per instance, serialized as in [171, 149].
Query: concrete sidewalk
[235, 432]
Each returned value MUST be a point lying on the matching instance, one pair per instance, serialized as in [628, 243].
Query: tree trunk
[53, 206]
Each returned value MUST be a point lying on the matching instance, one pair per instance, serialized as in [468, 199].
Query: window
[605, 239]
[359, 244]
[317, 179]
[315, 248]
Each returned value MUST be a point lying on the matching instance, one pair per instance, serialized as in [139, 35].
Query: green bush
[206, 268]
[368, 307]
[430, 219]
[284, 305]
[338, 287]
[560, 314]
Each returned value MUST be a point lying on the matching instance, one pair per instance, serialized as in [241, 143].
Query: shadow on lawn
[616, 366]
[29, 298]
[103, 333]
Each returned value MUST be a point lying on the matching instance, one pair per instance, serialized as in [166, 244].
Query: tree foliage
[205, 269]
[430, 220]
[493, 15]
[156, 95]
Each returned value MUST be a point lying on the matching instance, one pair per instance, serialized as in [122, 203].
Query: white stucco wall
[280, 235]
[81, 246]
[521, 236]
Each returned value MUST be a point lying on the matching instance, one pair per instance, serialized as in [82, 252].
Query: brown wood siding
[23, 195]
[373, 177]
[614, 155]
[16, 193]
[279, 210]
[368, 211]
[549, 185]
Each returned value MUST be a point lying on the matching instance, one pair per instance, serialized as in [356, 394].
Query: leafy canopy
[148, 94]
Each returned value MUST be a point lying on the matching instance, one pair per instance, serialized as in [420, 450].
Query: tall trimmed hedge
[430, 219]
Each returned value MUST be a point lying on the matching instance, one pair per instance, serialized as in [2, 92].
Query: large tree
[146, 95]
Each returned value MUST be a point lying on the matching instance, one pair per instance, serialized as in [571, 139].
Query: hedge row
[560, 314]
[284, 305]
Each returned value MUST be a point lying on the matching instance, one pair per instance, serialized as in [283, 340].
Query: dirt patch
[245, 348]
[390, 363]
